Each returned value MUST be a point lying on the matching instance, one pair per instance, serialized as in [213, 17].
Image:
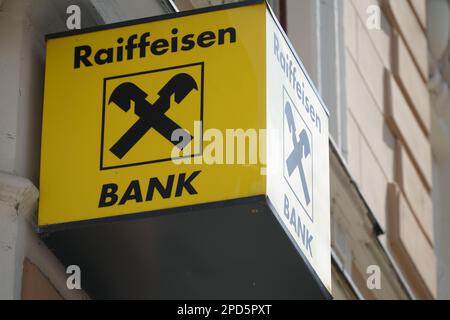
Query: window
[315, 28]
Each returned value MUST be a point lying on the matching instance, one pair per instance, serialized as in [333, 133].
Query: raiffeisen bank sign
[134, 112]
[298, 187]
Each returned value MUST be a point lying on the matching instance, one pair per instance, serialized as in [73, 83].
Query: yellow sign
[175, 111]
[128, 114]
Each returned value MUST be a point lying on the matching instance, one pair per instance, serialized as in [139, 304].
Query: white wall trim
[18, 239]
[20, 194]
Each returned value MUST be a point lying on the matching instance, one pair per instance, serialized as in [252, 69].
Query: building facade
[382, 68]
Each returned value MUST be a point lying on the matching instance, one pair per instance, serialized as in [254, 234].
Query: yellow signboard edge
[258, 199]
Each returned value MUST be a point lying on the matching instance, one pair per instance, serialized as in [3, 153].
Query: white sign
[298, 185]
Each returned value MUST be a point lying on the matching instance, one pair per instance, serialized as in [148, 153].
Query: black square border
[202, 65]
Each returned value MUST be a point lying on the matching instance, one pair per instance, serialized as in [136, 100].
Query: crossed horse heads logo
[301, 151]
[152, 115]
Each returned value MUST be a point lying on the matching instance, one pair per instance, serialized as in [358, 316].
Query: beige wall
[389, 129]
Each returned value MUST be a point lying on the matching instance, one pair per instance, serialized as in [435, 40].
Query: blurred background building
[382, 68]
